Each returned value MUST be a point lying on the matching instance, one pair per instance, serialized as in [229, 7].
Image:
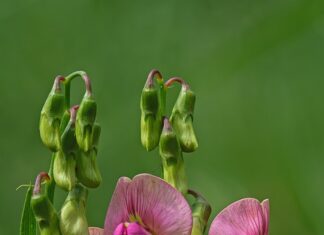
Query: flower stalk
[72, 135]
[144, 205]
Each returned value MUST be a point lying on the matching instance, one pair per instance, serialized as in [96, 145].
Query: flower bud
[73, 219]
[87, 169]
[151, 118]
[50, 118]
[68, 140]
[172, 159]
[64, 121]
[182, 118]
[96, 135]
[85, 119]
[44, 211]
[64, 170]
[201, 211]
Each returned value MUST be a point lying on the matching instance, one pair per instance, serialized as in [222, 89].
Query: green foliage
[28, 222]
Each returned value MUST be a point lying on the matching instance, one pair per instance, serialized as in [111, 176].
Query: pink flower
[146, 205]
[244, 217]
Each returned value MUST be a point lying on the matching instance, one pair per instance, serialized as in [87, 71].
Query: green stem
[183, 83]
[174, 173]
[172, 159]
[67, 83]
[50, 185]
[162, 96]
[67, 91]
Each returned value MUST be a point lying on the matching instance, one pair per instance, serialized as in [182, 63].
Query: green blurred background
[257, 70]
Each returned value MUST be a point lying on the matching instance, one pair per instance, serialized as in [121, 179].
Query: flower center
[133, 228]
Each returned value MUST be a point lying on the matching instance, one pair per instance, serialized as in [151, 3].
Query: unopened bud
[51, 115]
[96, 135]
[169, 144]
[182, 120]
[73, 219]
[172, 159]
[44, 211]
[151, 118]
[68, 139]
[64, 170]
[85, 119]
[201, 211]
[87, 169]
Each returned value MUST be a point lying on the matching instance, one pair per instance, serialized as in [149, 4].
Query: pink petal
[266, 213]
[117, 211]
[96, 231]
[162, 209]
[244, 217]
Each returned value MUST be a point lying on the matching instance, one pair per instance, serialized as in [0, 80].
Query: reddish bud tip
[39, 179]
[57, 82]
[150, 77]
[166, 124]
[73, 112]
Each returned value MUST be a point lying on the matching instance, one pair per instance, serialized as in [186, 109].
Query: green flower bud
[182, 118]
[73, 219]
[96, 135]
[68, 138]
[69, 143]
[201, 211]
[85, 119]
[64, 121]
[44, 211]
[50, 118]
[151, 118]
[64, 160]
[87, 169]
[172, 159]
[64, 170]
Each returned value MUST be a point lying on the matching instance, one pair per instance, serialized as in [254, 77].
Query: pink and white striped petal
[244, 217]
[152, 202]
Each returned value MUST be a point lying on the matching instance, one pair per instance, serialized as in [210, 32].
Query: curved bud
[151, 118]
[68, 139]
[64, 170]
[44, 210]
[51, 115]
[85, 119]
[87, 169]
[172, 159]
[201, 211]
[182, 119]
[73, 219]
[96, 134]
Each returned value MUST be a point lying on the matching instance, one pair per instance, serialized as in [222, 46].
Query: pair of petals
[160, 209]
[245, 217]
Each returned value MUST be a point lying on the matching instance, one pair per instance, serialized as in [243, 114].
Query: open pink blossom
[147, 205]
[245, 217]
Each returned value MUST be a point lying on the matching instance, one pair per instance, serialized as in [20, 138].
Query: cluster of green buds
[174, 136]
[72, 135]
